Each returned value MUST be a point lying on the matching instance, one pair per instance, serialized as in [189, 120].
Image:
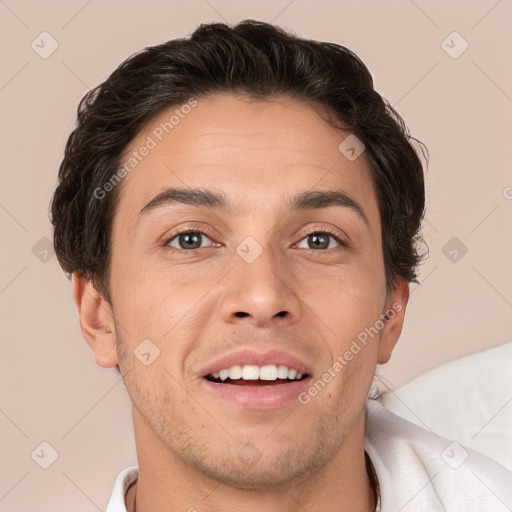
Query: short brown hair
[253, 59]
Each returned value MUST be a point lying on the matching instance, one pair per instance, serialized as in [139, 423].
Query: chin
[265, 468]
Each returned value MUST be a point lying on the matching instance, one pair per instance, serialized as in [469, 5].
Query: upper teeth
[253, 372]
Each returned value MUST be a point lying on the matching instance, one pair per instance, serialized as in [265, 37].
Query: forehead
[253, 151]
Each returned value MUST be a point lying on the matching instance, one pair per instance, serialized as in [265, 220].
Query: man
[239, 212]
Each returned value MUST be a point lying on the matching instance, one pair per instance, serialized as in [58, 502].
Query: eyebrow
[204, 198]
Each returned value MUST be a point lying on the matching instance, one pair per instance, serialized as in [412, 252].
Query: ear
[96, 321]
[395, 312]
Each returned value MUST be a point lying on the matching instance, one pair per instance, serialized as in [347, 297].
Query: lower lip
[261, 397]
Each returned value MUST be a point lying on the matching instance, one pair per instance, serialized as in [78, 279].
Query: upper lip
[248, 356]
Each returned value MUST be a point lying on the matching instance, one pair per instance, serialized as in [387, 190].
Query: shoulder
[420, 471]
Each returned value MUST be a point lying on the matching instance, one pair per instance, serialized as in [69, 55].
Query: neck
[166, 484]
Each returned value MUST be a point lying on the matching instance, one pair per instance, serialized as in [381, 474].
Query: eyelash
[324, 231]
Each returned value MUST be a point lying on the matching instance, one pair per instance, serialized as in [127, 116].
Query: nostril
[242, 314]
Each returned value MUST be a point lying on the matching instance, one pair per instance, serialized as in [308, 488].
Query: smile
[256, 380]
[251, 374]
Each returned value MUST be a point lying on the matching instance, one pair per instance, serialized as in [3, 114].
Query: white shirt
[417, 471]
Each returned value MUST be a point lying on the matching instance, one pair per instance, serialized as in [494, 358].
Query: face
[239, 279]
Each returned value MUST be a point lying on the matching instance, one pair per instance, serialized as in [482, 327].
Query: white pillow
[468, 400]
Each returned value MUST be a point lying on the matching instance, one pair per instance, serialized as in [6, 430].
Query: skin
[257, 153]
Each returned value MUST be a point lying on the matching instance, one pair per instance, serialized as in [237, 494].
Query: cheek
[162, 304]
[347, 302]
[352, 342]
[350, 312]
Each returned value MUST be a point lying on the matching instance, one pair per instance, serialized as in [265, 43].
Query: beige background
[461, 108]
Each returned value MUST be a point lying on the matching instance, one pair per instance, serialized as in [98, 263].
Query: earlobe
[96, 321]
[395, 312]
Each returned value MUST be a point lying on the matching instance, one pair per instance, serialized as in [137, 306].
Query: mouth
[257, 381]
[253, 375]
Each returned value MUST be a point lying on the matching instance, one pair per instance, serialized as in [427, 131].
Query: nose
[261, 293]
